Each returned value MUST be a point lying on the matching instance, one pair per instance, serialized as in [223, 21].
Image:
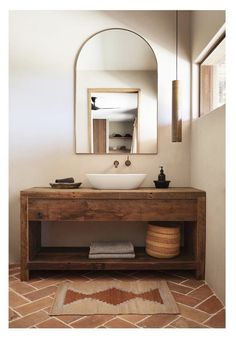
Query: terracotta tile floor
[29, 302]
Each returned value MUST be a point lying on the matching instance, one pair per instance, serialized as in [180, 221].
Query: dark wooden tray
[65, 185]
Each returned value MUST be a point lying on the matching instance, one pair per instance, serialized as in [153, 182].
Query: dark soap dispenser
[161, 176]
[161, 182]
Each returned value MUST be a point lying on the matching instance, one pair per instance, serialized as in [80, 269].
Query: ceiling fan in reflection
[94, 107]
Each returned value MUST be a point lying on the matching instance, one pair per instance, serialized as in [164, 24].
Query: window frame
[213, 47]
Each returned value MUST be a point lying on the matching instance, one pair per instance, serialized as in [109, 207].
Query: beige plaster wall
[43, 46]
[208, 159]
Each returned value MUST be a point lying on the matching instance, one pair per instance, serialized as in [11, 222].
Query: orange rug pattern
[114, 297]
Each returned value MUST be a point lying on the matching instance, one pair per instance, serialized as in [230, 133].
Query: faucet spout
[116, 164]
[128, 162]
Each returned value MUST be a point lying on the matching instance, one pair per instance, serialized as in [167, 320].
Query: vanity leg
[24, 238]
[201, 237]
[24, 275]
[199, 275]
[34, 238]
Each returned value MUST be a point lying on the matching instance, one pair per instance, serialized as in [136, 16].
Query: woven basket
[163, 241]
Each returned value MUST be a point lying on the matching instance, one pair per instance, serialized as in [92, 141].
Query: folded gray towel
[112, 255]
[111, 247]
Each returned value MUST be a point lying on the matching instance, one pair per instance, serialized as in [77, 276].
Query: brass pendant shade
[176, 112]
[176, 99]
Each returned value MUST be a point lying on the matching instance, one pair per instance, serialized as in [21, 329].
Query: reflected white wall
[145, 80]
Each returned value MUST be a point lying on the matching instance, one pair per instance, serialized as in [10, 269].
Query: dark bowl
[161, 184]
[65, 185]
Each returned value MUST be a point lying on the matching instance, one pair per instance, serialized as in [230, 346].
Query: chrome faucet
[127, 162]
[116, 164]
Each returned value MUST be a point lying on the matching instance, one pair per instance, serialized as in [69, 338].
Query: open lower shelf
[76, 258]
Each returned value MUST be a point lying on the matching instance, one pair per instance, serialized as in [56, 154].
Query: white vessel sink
[116, 181]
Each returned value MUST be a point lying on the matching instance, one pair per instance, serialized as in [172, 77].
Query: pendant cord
[176, 42]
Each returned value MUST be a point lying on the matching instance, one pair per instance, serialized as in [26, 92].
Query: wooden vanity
[184, 205]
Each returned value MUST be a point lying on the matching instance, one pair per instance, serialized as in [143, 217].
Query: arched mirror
[116, 95]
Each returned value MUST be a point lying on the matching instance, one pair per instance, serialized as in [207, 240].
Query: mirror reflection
[114, 120]
[116, 95]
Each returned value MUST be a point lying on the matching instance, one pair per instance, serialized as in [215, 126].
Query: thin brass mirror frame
[75, 91]
[111, 90]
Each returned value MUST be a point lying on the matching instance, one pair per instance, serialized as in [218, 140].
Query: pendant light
[176, 111]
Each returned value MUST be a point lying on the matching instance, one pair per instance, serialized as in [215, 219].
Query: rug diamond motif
[113, 296]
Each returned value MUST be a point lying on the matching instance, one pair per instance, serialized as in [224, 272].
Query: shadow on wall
[145, 22]
[14, 228]
[83, 233]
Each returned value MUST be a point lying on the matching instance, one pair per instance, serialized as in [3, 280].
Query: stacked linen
[110, 249]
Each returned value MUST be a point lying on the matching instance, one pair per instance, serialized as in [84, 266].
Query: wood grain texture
[90, 193]
[176, 112]
[183, 205]
[201, 236]
[76, 258]
[24, 243]
[99, 136]
[34, 238]
[112, 210]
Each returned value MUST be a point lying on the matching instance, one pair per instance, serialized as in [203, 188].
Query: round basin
[116, 181]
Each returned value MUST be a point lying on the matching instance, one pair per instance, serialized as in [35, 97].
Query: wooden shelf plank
[77, 259]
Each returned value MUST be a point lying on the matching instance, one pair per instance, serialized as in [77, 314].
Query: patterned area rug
[114, 297]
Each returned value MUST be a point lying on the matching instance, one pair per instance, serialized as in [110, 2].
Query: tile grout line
[213, 315]
[77, 320]
[32, 302]
[190, 320]
[27, 315]
[31, 291]
[173, 275]
[135, 324]
[194, 308]
[109, 320]
[194, 279]
[51, 317]
[67, 324]
[25, 282]
[37, 290]
[31, 283]
[181, 285]
[41, 280]
[192, 290]
[143, 319]
[204, 300]
[13, 309]
[197, 289]
[13, 280]
[216, 295]
[41, 288]
[14, 273]
[198, 304]
[20, 295]
[61, 321]
[174, 320]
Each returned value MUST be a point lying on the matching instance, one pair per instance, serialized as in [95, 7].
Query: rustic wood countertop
[91, 193]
